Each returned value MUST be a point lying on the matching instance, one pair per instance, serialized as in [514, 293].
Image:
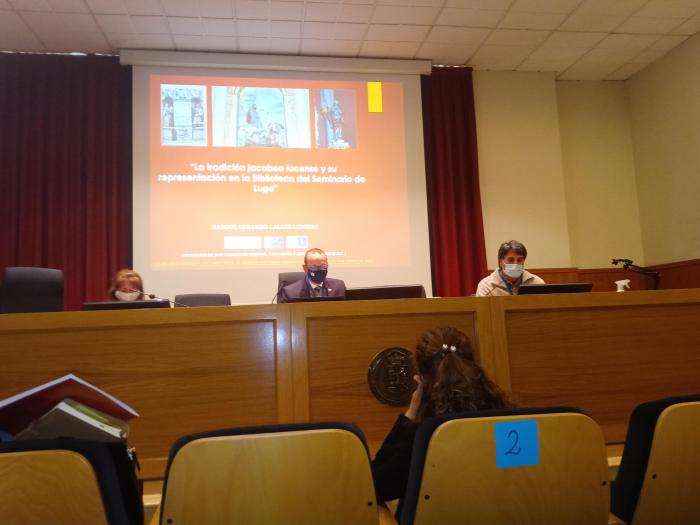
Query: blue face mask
[317, 275]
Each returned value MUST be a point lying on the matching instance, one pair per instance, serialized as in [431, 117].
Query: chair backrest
[203, 299]
[289, 278]
[545, 466]
[27, 289]
[312, 473]
[660, 467]
[62, 482]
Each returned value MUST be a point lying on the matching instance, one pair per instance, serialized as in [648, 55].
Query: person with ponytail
[448, 381]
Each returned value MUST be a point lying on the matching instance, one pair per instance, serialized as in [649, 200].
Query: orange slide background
[367, 224]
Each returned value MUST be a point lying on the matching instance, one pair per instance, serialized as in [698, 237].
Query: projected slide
[251, 172]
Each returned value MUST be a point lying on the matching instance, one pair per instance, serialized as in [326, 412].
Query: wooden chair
[659, 475]
[527, 466]
[62, 482]
[311, 474]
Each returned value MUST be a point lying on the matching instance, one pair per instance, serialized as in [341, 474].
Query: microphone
[625, 262]
[275, 297]
[156, 298]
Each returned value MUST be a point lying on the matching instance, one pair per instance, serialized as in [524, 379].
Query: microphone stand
[628, 264]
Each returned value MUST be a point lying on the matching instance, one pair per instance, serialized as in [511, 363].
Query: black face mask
[317, 275]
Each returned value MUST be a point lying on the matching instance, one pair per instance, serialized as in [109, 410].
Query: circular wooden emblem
[390, 376]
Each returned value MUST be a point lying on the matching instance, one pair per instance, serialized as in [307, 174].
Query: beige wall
[599, 173]
[520, 165]
[665, 108]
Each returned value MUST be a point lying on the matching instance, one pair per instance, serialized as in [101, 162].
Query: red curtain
[458, 252]
[65, 173]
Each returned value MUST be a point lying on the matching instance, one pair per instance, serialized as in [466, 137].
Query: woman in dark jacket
[448, 381]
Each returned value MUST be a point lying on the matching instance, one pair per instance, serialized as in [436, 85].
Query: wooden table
[188, 370]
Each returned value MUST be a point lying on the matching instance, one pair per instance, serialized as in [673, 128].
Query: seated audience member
[315, 283]
[449, 381]
[510, 274]
[127, 285]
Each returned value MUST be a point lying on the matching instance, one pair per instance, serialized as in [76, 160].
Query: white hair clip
[451, 348]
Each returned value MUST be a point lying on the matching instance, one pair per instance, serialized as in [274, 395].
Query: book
[18, 411]
[72, 419]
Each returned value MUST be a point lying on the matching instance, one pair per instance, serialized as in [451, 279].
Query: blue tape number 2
[517, 444]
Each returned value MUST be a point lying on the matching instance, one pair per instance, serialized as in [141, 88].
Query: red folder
[17, 412]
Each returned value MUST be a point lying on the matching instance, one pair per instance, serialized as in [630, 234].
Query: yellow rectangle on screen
[374, 97]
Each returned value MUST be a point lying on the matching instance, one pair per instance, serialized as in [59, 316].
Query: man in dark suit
[315, 283]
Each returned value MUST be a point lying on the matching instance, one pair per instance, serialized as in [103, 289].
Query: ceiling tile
[284, 46]
[644, 25]
[592, 21]
[216, 8]
[254, 28]
[254, 45]
[341, 31]
[597, 64]
[122, 41]
[287, 10]
[669, 8]
[190, 42]
[573, 39]
[285, 29]
[627, 42]
[108, 7]
[499, 57]
[151, 24]
[180, 8]
[452, 16]
[15, 35]
[457, 35]
[611, 7]
[445, 54]
[355, 13]
[69, 6]
[144, 7]
[530, 20]
[77, 41]
[4, 4]
[391, 33]
[666, 43]
[46, 24]
[385, 14]
[414, 3]
[389, 49]
[156, 41]
[221, 43]
[627, 71]
[31, 5]
[252, 10]
[551, 58]
[318, 12]
[689, 27]
[115, 23]
[219, 26]
[364, 2]
[516, 37]
[349, 48]
[545, 6]
[480, 4]
[185, 25]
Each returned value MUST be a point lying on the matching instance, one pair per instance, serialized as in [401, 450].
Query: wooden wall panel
[183, 370]
[341, 341]
[605, 353]
[685, 274]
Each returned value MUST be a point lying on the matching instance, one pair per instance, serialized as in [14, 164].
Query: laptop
[537, 289]
[125, 305]
[411, 291]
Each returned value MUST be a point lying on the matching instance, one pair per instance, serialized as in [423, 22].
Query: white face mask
[126, 296]
[513, 271]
